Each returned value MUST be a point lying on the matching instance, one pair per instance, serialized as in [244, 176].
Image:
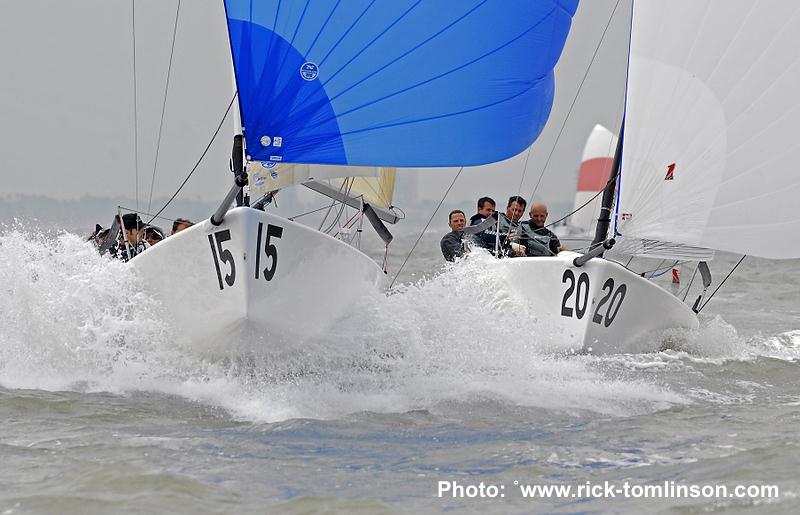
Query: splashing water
[73, 320]
[69, 315]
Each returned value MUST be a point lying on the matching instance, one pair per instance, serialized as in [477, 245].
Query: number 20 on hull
[606, 310]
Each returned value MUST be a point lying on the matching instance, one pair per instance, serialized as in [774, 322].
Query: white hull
[223, 289]
[226, 286]
[601, 307]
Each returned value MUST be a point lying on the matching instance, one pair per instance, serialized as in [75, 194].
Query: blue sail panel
[410, 83]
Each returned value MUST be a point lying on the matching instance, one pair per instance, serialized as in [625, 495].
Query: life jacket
[536, 243]
[121, 251]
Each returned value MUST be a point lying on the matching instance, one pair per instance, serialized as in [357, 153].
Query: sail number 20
[224, 258]
[606, 310]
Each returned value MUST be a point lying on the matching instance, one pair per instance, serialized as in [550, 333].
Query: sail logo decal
[268, 164]
[266, 141]
[626, 216]
[258, 180]
[309, 71]
[670, 170]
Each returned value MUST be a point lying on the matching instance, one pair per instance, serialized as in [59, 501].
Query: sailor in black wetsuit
[453, 244]
[504, 232]
[486, 208]
[539, 240]
[510, 226]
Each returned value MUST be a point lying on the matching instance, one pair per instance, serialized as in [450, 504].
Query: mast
[237, 153]
[604, 220]
[237, 166]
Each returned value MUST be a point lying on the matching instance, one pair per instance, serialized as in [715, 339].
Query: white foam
[717, 341]
[70, 319]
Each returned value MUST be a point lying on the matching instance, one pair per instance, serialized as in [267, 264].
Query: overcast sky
[67, 103]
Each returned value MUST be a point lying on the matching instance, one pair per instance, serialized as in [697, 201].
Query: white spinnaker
[376, 184]
[714, 101]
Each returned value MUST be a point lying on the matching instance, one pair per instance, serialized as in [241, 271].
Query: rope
[659, 268]
[385, 258]
[720, 284]
[333, 203]
[216, 132]
[426, 226]
[350, 222]
[346, 185]
[572, 105]
[164, 106]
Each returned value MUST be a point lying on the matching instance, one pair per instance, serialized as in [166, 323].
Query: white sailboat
[707, 163]
[334, 96]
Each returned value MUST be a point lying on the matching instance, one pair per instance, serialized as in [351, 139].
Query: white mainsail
[712, 111]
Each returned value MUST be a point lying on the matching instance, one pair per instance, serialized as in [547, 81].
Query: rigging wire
[720, 284]
[330, 208]
[346, 185]
[690, 282]
[577, 208]
[572, 105]
[135, 105]
[164, 106]
[524, 170]
[199, 160]
[426, 226]
[630, 261]
[130, 209]
[308, 212]
[393, 209]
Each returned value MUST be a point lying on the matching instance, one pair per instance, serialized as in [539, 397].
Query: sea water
[437, 397]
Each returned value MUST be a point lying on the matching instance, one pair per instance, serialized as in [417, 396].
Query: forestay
[412, 83]
[710, 147]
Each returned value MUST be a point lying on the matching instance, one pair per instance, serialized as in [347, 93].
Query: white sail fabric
[711, 128]
[375, 184]
[598, 156]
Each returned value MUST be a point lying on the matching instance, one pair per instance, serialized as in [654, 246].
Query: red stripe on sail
[594, 174]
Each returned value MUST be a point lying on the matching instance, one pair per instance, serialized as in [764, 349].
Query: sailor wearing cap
[131, 241]
[153, 234]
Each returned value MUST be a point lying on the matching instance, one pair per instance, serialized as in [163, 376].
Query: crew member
[453, 244]
[538, 239]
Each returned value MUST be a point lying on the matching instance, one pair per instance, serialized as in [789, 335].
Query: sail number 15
[606, 310]
[223, 258]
